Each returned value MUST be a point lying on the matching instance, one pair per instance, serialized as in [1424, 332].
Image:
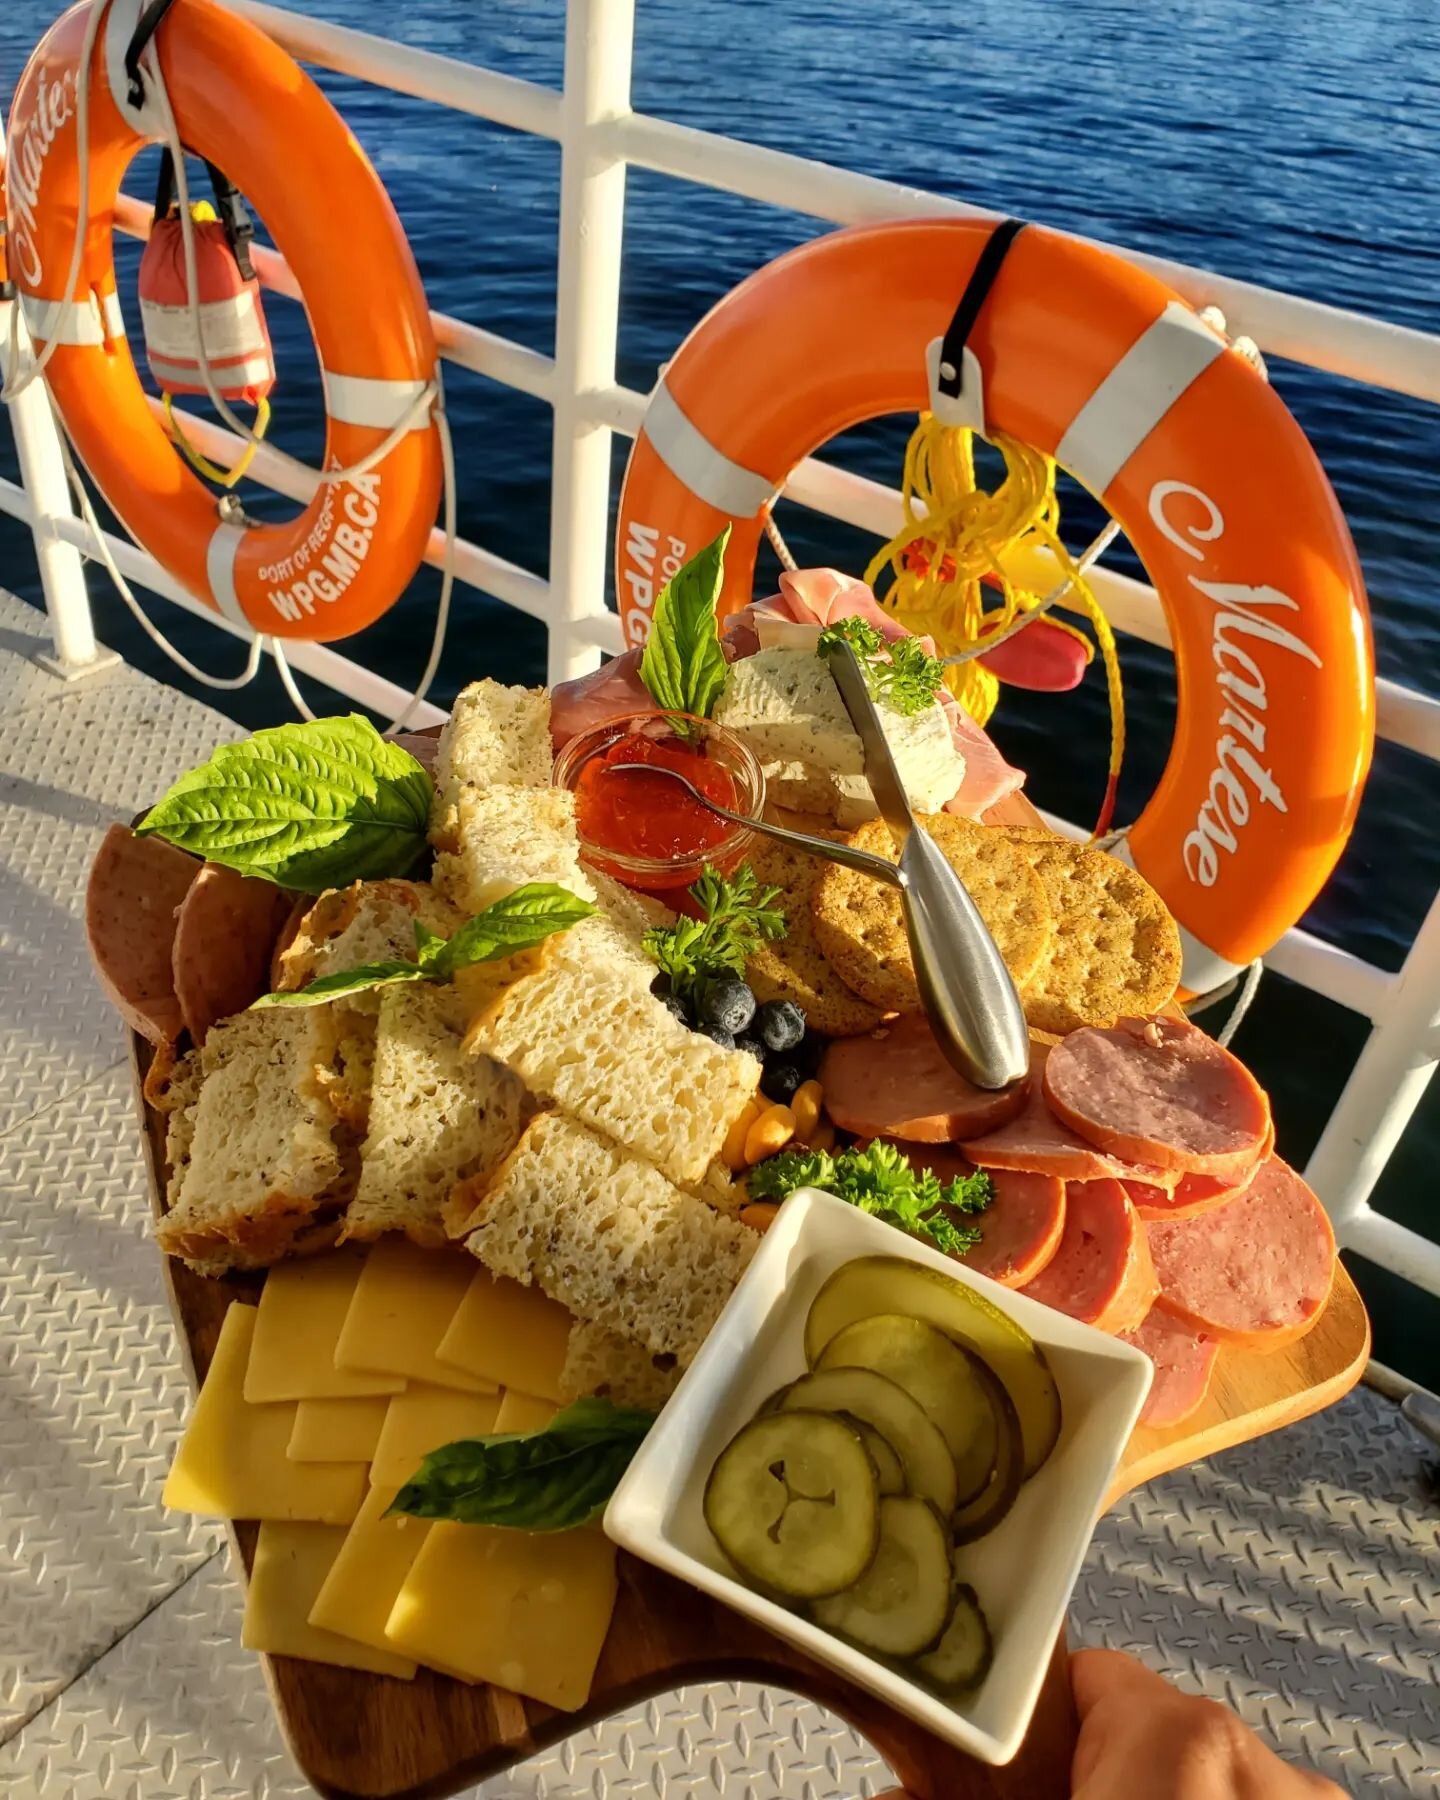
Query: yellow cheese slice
[527, 1612]
[232, 1460]
[292, 1563]
[421, 1420]
[336, 1430]
[369, 1572]
[404, 1302]
[302, 1307]
[523, 1412]
[510, 1335]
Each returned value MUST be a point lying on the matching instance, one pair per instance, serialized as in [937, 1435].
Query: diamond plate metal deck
[1298, 1579]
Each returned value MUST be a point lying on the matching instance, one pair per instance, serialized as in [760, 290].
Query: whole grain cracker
[861, 932]
[794, 967]
[1115, 949]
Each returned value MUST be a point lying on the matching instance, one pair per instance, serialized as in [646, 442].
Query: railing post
[599, 36]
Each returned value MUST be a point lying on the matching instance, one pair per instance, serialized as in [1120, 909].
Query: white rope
[778, 544]
[1242, 1005]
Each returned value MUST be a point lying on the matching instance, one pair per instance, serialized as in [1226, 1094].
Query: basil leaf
[550, 1480]
[683, 665]
[307, 806]
[527, 916]
[430, 947]
[346, 981]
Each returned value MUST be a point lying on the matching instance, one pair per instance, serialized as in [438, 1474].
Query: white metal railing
[599, 135]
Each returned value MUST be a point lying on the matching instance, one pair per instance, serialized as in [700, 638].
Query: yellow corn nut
[772, 1131]
[806, 1108]
[732, 1151]
[822, 1137]
[759, 1215]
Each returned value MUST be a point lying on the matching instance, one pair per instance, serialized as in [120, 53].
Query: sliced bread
[262, 1163]
[507, 836]
[369, 921]
[616, 1368]
[606, 1235]
[438, 1117]
[584, 1032]
[495, 736]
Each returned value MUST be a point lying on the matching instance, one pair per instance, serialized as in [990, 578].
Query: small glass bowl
[668, 877]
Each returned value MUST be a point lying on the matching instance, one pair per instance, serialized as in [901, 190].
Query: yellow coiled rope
[949, 559]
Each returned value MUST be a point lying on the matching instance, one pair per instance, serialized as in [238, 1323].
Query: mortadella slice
[224, 935]
[1159, 1091]
[1258, 1271]
[896, 1083]
[1184, 1361]
[136, 888]
[1036, 1143]
[1102, 1273]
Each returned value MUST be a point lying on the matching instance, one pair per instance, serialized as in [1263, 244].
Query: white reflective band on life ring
[365, 400]
[1136, 395]
[226, 375]
[1201, 968]
[120, 25]
[220, 555]
[692, 459]
[80, 323]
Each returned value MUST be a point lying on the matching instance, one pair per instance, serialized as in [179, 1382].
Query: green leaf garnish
[739, 915]
[310, 806]
[516, 922]
[548, 1480]
[901, 675]
[683, 665]
[882, 1181]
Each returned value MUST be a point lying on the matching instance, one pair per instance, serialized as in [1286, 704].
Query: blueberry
[781, 1024]
[780, 1080]
[728, 1003]
[660, 986]
[717, 1034]
[751, 1045]
[676, 1006]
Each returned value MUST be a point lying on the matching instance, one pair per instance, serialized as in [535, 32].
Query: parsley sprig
[900, 674]
[883, 1182]
[737, 916]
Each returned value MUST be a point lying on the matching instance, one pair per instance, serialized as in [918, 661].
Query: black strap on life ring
[146, 25]
[977, 291]
[229, 205]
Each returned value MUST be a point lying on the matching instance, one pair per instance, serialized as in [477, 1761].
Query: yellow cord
[955, 536]
[212, 471]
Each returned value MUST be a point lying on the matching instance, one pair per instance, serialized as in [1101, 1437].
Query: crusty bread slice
[606, 1235]
[585, 1032]
[508, 836]
[496, 736]
[598, 1362]
[369, 921]
[438, 1117]
[263, 1164]
[179, 1100]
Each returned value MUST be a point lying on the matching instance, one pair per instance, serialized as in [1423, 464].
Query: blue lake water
[1286, 144]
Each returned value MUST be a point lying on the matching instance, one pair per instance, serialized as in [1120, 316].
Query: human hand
[1141, 1736]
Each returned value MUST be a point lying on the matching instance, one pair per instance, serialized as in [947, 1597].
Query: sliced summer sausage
[1036, 1143]
[1102, 1273]
[1022, 1225]
[896, 1083]
[226, 930]
[1195, 1194]
[1159, 1091]
[1258, 1271]
[1183, 1359]
[136, 888]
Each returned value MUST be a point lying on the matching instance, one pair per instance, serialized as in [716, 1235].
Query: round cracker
[861, 931]
[1115, 949]
[794, 967]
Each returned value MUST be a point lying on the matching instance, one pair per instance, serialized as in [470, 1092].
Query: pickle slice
[984, 1511]
[900, 1420]
[937, 1373]
[962, 1657]
[901, 1604]
[890, 1284]
[793, 1502]
[889, 1470]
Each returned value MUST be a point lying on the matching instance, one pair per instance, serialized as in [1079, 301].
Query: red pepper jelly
[639, 815]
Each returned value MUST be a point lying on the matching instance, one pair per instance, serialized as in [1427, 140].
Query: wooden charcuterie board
[358, 1735]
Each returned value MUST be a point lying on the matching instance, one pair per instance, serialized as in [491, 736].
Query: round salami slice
[1183, 1359]
[136, 889]
[1258, 1271]
[896, 1083]
[1022, 1224]
[224, 933]
[1102, 1273]
[1159, 1091]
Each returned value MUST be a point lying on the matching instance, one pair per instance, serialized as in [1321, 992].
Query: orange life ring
[243, 104]
[1104, 368]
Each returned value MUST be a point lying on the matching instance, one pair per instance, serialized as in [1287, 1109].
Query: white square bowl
[1023, 1571]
